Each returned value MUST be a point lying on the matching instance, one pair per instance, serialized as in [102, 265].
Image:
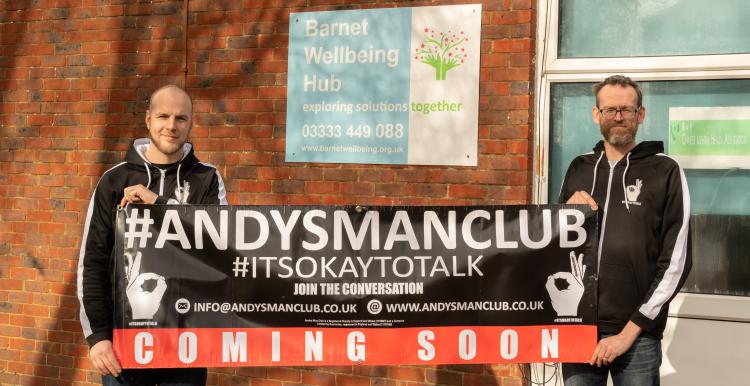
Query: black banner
[249, 285]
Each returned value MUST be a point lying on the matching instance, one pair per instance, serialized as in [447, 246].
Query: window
[654, 43]
[652, 28]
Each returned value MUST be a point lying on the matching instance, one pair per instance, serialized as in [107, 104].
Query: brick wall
[74, 75]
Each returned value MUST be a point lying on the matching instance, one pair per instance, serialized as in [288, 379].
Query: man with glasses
[644, 251]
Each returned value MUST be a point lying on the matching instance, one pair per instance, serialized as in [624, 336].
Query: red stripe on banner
[227, 347]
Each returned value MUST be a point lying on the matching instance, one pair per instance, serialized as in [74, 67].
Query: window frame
[551, 69]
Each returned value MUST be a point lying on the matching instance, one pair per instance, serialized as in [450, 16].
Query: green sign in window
[710, 137]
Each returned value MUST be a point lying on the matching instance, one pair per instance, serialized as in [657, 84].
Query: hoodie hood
[136, 157]
[641, 150]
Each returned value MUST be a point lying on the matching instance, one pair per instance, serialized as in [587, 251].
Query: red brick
[36, 192]
[9, 331]
[254, 186]
[265, 382]
[318, 378]
[321, 187]
[35, 49]
[22, 344]
[36, 310]
[272, 92]
[520, 59]
[61, 361]
[494, 88]
[28, 107]
[512, 17]
[404, 373]
[467, 191]
[517, 147]
[9, 378]
[283, 374]
[225, 132]
[60, 336]
[22, 321]
[444, 377]
[511, 45]
[275, 173]
[51, 228]
[339, 175]
[346, 380]
[109, 10]
[11, 284]
[273, 67]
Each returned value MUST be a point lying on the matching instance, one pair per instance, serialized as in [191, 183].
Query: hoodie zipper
[604, 219]
[161, 182]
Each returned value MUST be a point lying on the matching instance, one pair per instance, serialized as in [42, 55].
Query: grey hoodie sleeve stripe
[85, 324]
[221, 192]
[673, 276]
[85, 253]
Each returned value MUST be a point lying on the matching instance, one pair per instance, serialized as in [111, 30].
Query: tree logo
[442, 51]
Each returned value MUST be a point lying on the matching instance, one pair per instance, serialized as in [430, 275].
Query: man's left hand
[613, 346]
[138, 194]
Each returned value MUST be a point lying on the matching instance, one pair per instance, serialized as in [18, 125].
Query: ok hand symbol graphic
[565, 301]
[144, 303]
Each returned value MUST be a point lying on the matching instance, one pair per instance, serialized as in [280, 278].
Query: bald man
[160, 169]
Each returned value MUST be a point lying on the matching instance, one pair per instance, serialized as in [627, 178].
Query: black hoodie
[644, 249]
[185, 182]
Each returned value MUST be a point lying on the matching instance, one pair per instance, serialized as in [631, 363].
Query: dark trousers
[638, 366]
[161, 377]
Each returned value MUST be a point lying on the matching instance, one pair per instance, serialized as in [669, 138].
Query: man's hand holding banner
[210, 286]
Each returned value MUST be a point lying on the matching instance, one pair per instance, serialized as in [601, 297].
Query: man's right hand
[581, 197]
[138, 194]
[104, 359]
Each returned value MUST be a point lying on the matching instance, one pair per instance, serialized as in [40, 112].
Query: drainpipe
[185, 8]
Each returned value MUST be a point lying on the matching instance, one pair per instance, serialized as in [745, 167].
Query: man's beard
[620, 137]
[162, 149]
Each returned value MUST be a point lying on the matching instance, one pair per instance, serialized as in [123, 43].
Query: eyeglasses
[625, 112]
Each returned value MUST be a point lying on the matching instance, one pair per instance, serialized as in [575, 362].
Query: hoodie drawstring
[148, 173]
[624, 188]
[179, 188]
[596, 166]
